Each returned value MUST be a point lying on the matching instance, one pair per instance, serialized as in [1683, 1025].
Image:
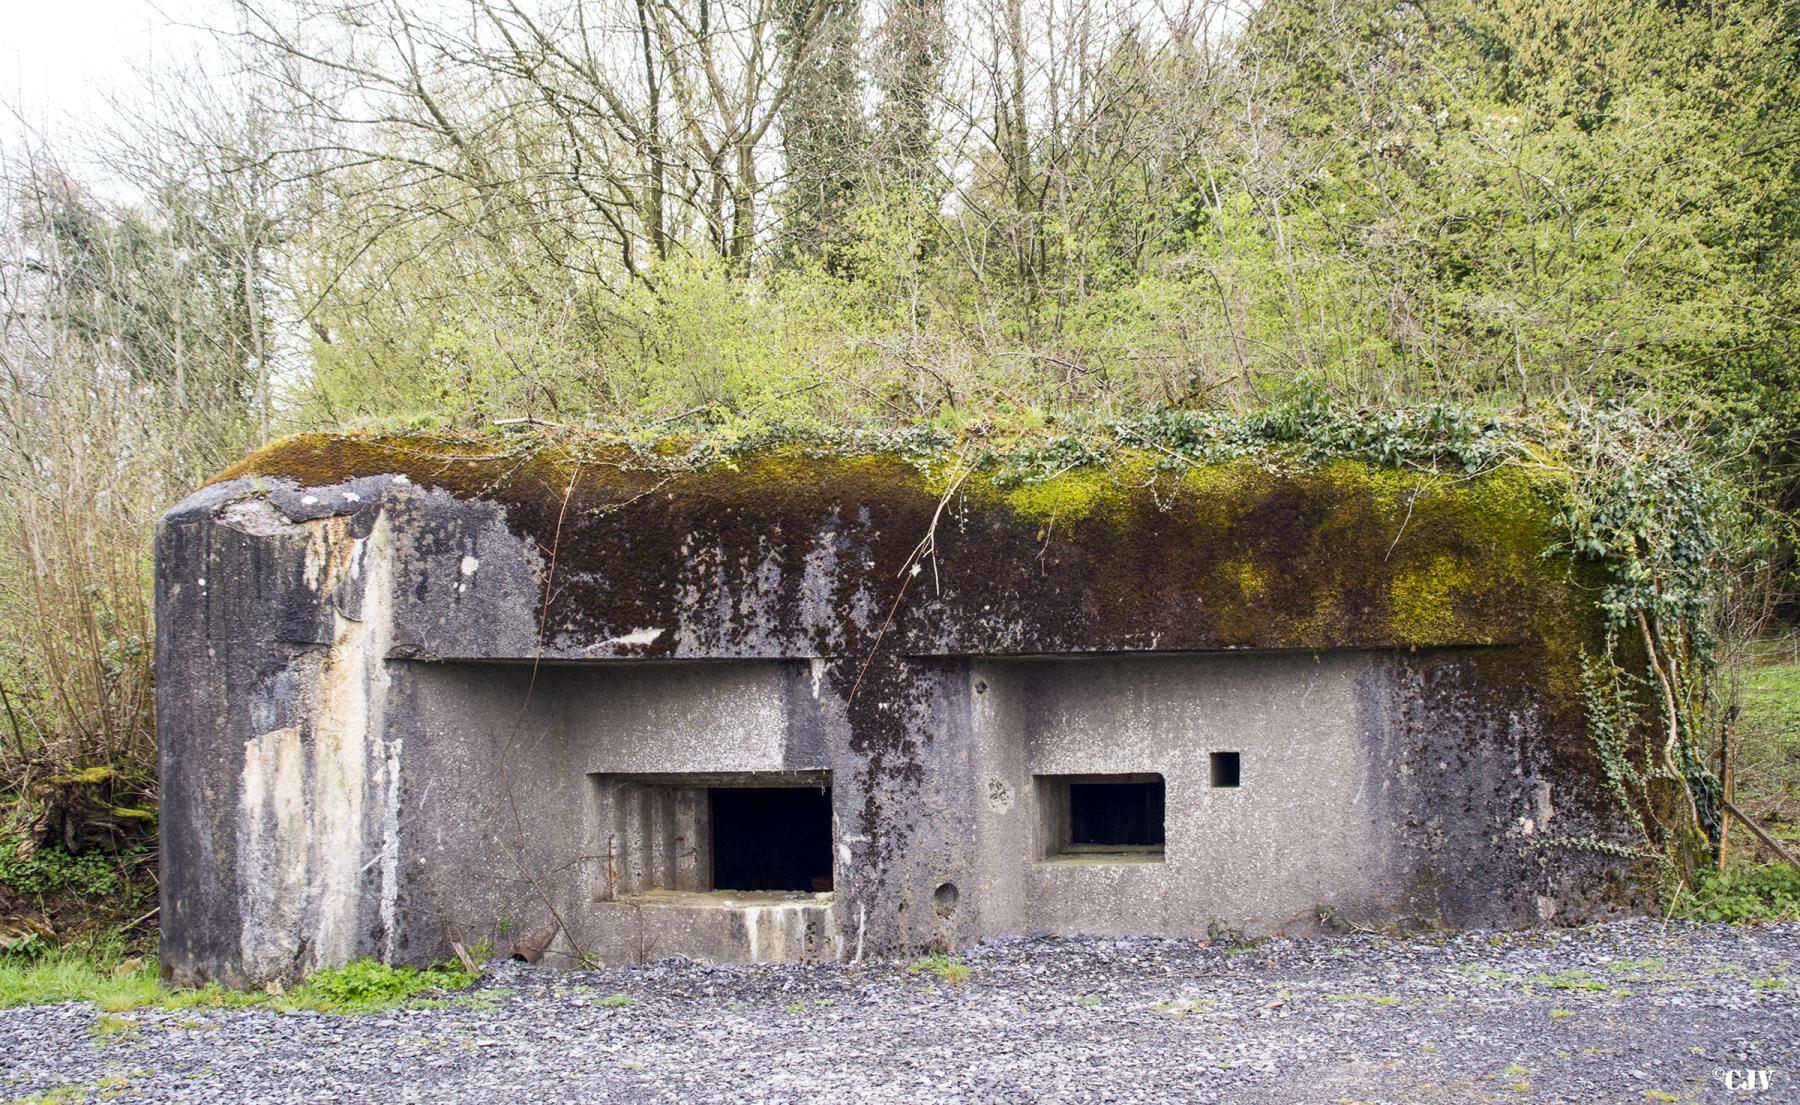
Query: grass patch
[1565, 980]
[361, 987]
[62, 976]
[1531, 984]
[366, 986]
[110, 1028]
[948, 968]
[1768, 739]
[62, 1095]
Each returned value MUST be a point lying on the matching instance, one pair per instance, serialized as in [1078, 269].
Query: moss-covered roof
[1132, 553]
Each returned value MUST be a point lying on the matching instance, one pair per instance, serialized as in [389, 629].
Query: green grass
[361, 987]
[60, 976]
[1767, 784]
[1565, 980]
[366, 986]
[948, 968]
[111, 1027]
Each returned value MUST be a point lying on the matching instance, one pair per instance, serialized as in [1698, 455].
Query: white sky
[58, 58]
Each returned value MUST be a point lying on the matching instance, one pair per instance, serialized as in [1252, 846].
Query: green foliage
[1373, 999]
[947, 968]
[367, 986]
[63, 976]
[1654, 518]
[48, 870]
[1611, 721]
[119, 986]
[1767, 774]
[1770, 893]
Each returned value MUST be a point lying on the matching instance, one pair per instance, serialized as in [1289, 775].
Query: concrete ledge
[721, 926]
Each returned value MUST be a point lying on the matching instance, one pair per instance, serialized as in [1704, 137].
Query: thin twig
[927, 546]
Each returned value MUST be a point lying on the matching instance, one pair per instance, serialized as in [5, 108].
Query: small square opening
[1102, 817]
[771, 838]
[1225, 769]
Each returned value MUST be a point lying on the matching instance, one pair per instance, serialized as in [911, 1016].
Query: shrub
[1770, 893]
[48, 870]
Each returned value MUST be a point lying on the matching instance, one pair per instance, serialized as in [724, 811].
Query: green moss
[1343, 553]
[1252, 580]
[1219, 492]
[1076, 495]
[1426, 598]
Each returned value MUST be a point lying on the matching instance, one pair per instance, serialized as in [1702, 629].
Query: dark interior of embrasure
[771, 838]
[1116, 815]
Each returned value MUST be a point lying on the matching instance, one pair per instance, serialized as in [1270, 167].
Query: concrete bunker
[414, 691]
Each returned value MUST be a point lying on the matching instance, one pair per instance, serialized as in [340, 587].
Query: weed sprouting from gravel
[948, 968]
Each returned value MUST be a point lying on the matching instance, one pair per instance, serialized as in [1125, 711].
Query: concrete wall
[519, 803]
[377, 740]
[1308, 824]
[513, 829]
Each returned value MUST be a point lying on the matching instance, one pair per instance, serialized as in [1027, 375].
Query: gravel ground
[1633, 1011]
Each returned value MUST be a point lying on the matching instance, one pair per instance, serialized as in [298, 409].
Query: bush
[1770, 893]
[48, 870]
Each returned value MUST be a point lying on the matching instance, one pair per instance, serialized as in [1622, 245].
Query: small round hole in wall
[945, 896]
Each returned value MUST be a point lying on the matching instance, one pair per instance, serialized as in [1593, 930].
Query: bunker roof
[1143, 550]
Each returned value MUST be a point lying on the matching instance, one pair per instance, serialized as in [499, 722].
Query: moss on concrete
[1133, 554]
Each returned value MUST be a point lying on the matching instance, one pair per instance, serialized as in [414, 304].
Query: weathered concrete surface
[395, 677]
